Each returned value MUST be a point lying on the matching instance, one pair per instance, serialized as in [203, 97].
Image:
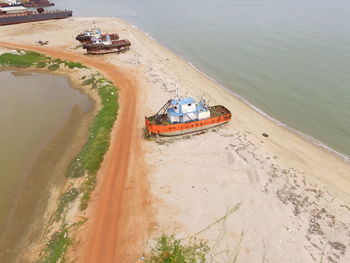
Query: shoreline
[116, 159]
[305, 136]
[68, 140]
[284, 188]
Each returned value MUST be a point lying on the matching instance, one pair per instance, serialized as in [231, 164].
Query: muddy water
[40, 115]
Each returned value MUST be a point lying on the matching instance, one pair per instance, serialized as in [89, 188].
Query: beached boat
[184, 115]
[105, 46]
[87, 36]
[10, 3]
[7, 18]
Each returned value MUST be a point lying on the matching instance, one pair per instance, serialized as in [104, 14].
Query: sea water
[288, 58]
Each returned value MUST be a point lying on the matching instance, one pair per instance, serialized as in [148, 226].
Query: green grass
[41, 64]
[168, 249]
[87, 187]
[89, 160]
[56, 246]
[72, 65]
[26, 59]
[93, 81]
[54, 66]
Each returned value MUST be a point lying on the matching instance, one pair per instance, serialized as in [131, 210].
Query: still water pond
[33, 109]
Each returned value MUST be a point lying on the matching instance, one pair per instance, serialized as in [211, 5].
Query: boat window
[189, 104]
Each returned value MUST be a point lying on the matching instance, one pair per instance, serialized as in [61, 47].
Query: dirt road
[119, 214]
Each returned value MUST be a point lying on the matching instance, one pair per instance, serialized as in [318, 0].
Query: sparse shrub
[168, 249]
[54, 66]
[56, 246]
[73, 65]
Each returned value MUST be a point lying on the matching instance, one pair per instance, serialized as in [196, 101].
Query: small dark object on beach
[42, 42]
[265, 135]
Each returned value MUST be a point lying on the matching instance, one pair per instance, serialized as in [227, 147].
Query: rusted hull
[187, 131]
[116, 47]
[101, 51]
[33, 17]
[38, 4]
[188, 127]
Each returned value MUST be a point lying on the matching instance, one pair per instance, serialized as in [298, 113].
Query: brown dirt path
[120, 212]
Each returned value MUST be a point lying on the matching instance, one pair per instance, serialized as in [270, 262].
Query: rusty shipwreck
[183, 115]
[88, 35]
[105, 46]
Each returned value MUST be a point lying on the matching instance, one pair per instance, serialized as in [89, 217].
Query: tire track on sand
[117, 217]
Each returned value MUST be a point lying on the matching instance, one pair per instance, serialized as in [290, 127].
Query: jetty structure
[88, 35]
[183, 115]
[104, 45]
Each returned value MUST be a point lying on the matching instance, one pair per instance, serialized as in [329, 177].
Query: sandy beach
[279, 198]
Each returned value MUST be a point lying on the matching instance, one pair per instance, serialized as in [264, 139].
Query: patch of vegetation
[26, 59]
[22, 59]
[92, 80]
[56, 246]
[58, 61]
[69, 64]
[41, 64]
[73, 65]
[66, 198]
[90, 158]
[54, 66]
[89, 81]
[87, 188]
[168, 249]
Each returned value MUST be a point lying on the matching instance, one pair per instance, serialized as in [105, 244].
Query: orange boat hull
[188, 127]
